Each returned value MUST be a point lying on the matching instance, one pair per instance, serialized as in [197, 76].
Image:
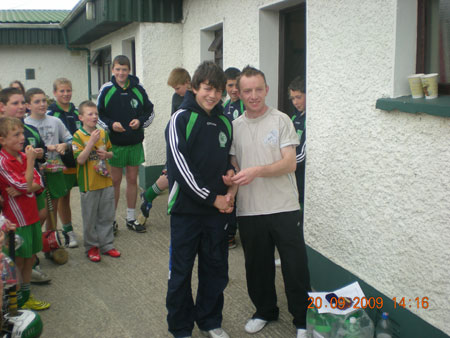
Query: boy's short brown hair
[31, 92]
[232, 73]
[297, 85]
[211, 73]
[9, 123]
[122, 60]
[86, 104]
[5, 94]
[178, 76]
[250, 71]
[61, 81]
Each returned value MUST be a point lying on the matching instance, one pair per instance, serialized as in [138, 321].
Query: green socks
[152, 193]
[67, 227]
[23, 295]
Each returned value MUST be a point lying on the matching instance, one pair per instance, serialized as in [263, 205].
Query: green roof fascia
[35, 16]
[110, 15]
[31, 36]
[439, 106]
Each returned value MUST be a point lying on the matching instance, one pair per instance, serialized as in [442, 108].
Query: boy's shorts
[32, 240]
[71, 181]
[40, 200]
[127, 155]
[56, 185]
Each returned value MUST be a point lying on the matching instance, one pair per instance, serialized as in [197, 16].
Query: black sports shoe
[115, 228]
[136, 226]
[145, 206]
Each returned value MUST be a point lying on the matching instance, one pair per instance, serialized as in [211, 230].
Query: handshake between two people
[225, 203]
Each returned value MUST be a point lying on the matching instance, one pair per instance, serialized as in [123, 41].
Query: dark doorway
[292, 51]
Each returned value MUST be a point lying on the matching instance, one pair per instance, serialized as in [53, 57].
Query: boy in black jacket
[297, 94]
[198, 142]
[125, 110]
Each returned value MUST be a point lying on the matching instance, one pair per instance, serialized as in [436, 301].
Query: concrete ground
[125, 297]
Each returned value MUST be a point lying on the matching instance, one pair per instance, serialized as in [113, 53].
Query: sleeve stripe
[17, 212]
[103, 125]
[301, 157]
[180, 161]
[149, 120]
[102, 88]
[9, 178]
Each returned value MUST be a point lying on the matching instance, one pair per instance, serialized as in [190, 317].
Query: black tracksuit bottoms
[205, 236]
[259, 236]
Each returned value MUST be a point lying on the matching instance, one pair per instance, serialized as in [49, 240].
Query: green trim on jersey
[114, 89]
[293, 118]
[241, 104]
[173, 197]
[190, 124]
[138, 94]
[109, 95]
[227, 123]
[35, 134]
[58, 113]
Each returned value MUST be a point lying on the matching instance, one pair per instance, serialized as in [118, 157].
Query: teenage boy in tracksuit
[125, 110]
[198, 138]
[297, 95]
[232, 108]
[65, 110]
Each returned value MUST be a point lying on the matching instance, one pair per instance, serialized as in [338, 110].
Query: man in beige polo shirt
[263, 152]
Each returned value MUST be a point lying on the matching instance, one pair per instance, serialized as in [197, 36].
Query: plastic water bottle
[384, 328]
[353, 330]
[322, 327]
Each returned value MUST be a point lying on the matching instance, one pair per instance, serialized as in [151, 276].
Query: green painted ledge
[148, 175]
[438, 107]
[328, 276]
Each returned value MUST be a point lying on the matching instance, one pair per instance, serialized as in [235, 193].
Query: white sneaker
[72, 240]
[216, 333]
[302, 333]
[38, 276]
[278, 262]
[255, 325]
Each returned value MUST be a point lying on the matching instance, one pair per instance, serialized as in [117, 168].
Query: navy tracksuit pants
[205, 236]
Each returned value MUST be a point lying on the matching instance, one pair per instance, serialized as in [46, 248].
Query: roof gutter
[88, 51]
[30, 25]
[74, 12]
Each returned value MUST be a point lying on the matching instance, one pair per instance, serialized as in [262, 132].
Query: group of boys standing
[58, 133]
[210, 158]
[213, 150]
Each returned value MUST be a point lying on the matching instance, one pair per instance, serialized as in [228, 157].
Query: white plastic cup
[430, 85]
[415, 84]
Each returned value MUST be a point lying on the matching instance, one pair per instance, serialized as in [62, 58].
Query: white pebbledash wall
[49, 63]
[377, 187]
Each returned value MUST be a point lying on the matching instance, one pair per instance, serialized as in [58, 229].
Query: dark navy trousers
[204, 236]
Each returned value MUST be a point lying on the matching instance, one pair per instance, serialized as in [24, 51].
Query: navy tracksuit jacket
[198, 145]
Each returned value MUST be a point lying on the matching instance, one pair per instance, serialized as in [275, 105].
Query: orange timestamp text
[343, 303]
[418, 303]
